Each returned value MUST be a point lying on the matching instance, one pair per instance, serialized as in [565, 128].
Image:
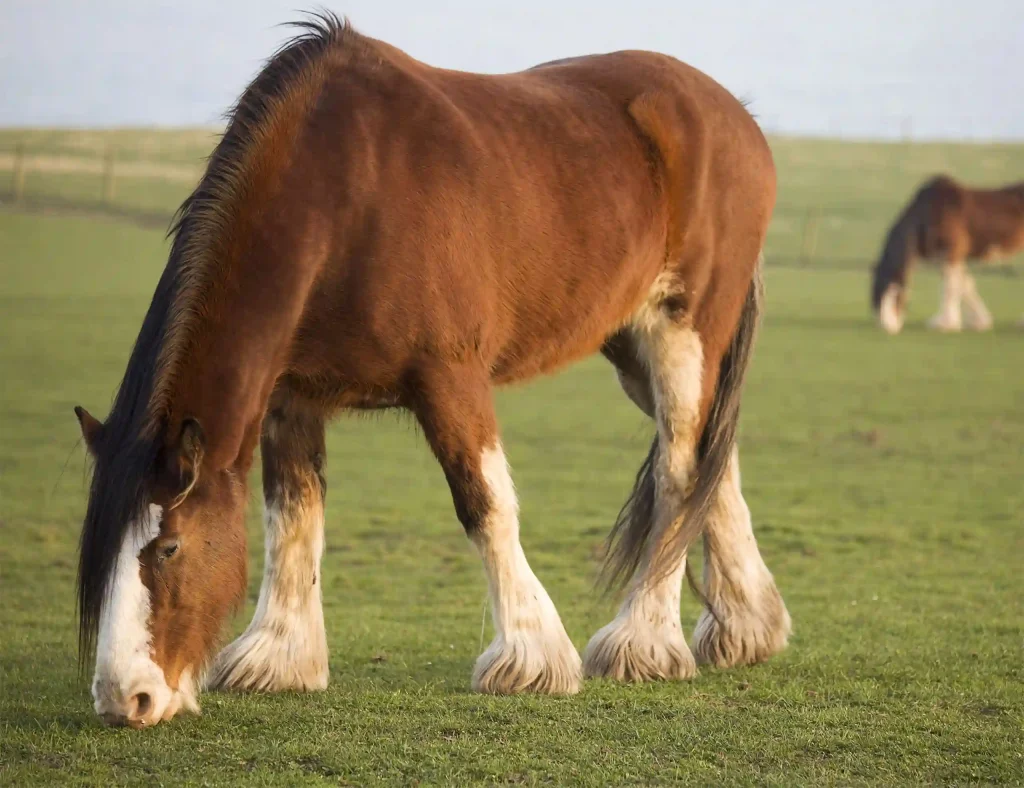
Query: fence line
[809, 239]
[56, 205]
[802, 222]
[108, 167]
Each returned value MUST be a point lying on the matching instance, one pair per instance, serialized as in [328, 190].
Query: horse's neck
[224, 392]
[241, 345]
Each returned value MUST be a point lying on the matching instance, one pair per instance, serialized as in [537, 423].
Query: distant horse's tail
[905, 242]
[633, 532]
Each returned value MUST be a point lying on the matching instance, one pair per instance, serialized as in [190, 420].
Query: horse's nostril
[141, 705]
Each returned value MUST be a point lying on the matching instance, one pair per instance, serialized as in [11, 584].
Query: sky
[926, 69]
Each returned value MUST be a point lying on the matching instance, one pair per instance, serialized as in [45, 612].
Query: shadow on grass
[865, 325]
[858, 324]
[26, 719]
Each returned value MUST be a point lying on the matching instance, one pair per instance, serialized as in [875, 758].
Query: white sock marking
[530, 644]
[285, 645]
[977, 314]
[949, 315]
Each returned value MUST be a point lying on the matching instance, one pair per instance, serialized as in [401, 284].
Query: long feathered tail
[632, 535]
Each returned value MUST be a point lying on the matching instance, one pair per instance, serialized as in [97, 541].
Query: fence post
[18, 178]
[108, 176]
[810, 239]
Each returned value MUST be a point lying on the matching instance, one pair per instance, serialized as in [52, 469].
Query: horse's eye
[166, 551]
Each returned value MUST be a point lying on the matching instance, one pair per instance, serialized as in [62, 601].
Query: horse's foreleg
[285, 646]
[530, 651]
[977, 316]
[948, 318]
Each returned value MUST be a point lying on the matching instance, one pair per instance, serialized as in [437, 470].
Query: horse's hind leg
[645, 641]
[977, 316]
[530, 651]
[747, 621]
[670, 365]
[285, 646]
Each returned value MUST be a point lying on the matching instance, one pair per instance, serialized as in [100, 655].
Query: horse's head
[162, 566]
[891, 275]
[888, 298]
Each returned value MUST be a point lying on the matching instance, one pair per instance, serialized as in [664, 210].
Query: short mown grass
[884, 474]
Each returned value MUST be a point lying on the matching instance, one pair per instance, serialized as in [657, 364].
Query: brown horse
[950, 224]
[372, 232]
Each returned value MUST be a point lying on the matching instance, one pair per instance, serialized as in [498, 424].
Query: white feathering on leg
[531, 650]
[285, 646]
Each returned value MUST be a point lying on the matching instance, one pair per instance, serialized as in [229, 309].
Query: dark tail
[633, 534]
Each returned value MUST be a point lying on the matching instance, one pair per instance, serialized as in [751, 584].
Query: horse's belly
[574, 328]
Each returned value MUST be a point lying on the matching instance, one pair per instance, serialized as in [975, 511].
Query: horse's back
[962, 222]
[997, 222]
[517, 218]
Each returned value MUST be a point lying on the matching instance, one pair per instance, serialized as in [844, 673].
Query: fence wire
[146, 194]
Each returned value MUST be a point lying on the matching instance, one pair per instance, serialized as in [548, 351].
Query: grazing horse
[950, 224]
[373, 232]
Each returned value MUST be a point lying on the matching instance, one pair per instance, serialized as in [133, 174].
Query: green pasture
[885, 475]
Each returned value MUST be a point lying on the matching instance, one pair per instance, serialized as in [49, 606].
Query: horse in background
[372, 232]
[949, 224]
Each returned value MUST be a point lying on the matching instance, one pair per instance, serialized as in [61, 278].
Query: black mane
[120, 490]
[892, 264]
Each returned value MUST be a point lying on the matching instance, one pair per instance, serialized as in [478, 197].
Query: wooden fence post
[810, 239]
[108, 177]
[18, 178]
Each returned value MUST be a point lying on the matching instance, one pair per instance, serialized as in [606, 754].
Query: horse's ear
[92, 429]
[185, 461]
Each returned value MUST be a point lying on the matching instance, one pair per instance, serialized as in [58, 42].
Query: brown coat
[375, 232]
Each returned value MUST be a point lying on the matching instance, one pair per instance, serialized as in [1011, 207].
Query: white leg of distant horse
[747, 621]
[949, 316]
[889, 313]
[977, 316]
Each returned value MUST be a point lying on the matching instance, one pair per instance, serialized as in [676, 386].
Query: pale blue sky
[860, 68]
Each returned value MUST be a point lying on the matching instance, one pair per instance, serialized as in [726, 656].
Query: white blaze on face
[889, 314]
[127, 683]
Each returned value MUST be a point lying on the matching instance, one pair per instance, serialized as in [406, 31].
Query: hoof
[944, 326]
[529, 662]
[626, 651]
[265, 660]
[742, 635]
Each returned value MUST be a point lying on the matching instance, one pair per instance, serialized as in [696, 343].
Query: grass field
[884, 474]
